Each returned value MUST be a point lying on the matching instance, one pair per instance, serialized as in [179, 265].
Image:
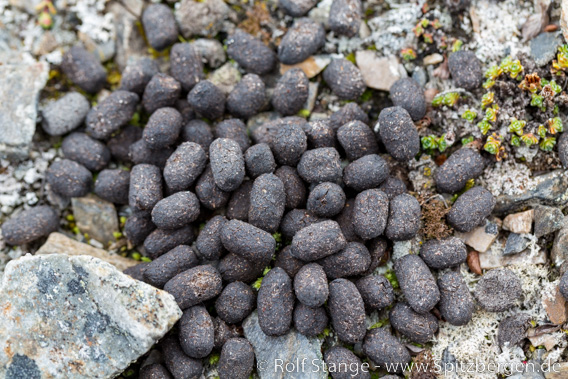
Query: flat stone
[560, 369]
[204, 18]
[515, 244]
[544, 46]
[433, 59]
[546, 340]
[290, 347]
[520, 223]
[96, 217]
[547, 220]
[129, 41]
[495, 259]
[58, 243]
[77, 317]
[482, 237]
[559, 251]
[225, 77]
[311, 66]
[555, 307]
[551, 189]
[21, 80]
[312, 96]
[379, 72]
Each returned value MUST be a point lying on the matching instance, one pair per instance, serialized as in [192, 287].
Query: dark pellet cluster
[461, 166]
[207, 100]
[195, 285]
[175, 211]
[310, 321]
[318, 241]
[84, 69]
[113, 185]
[160, 26]
[418, 327]
[470, 209]
[347, 311]
[250, 53]
[320, 165]
[247, 97]
[370, 213]
[344, 79]
[404, 218]
[162, 129]
[326, 200]
[301, 41]
[227, 164]
[465, 69]
[385, 350]
[417, 283]
[89, 152]
[408, 94]
[275, 303]
[111, 114]
[398, 133]
[161, 91]
[310, 285]
[357, 140]
[69, 178]
[259, 160]
[174, 262]
[456, 303]
[440, 254]
[345, 17]
[376, 291]
[30, 225]
[291, 92]
[353, 260]
[366, 172]
[235, 303]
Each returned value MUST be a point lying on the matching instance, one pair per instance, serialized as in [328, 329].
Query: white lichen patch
[507, 178]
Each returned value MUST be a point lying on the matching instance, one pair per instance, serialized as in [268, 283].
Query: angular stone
[21, 80]
[379, 72]
[58, 243]
[77, 317]
[495, 259]
[555, 307]
[96, 217]
[547, 220]
[546, 340]
[290, 347]
[311, 66]
[515, 244]
[481, 238]
[520, 223]
[559, 251]
[544, 46]
[129, 41]
[550, 189]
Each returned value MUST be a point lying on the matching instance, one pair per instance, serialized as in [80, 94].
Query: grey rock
[95, 217]
[20, 84]
[559, 251]
[552, 190]
[65, 114]
[515, 244]
[129, 41]
[288, 348]
[211, 51]
[203, 18]
[547, 220]
[77, 317]
[544, 46]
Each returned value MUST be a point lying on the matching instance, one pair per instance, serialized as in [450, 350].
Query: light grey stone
[544, 46]
[129, 41]
[515, 244]
[65, 114]
[291, 347]
[547, 220]
[21, 80]
[96, 217]
[77, 317]
[203, 18]
[211, 51]
[225, 77]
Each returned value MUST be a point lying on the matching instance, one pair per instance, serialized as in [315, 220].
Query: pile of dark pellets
[324, 186]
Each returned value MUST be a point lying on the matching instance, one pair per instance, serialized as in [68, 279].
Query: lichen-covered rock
[77, 317]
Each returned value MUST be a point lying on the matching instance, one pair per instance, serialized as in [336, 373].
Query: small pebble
[199, 132]
[366, 173]
[297, 8]
[470, 209]
[301, 41]
[209, 195]
[185, 65]
[347, 311]
[195, 285]
[417, 283]
[291, 92]
[404, 218]
[184, 166]
[174, 262]
[119, 145]
[163, 128]
[498, 290]
[353, 260]
[111, 114]
[176, 210]
[207, 100]
[408, 94]
[310, 285]
[250, 53]
[162, 91]
[357, 140]
[138, 227]
[236, 360]
[392, 187]
[289, 143]
[209, 242]
[267, 202]
[65, 114]
[419, 328]
[233, 129]
[370, 213]
[196, 332]
[456, 303]
[140, 153]
[177, 362]
[275, 303]
[398, 133]
[69, 178]
[160, 241]
[145, 187]
[318, 241]
[259, 160]
[350, 112]
[465, 69]
[461, 166]
[30, 225]
[344, 78]
[89, 152]
[345, 17]
[238, 207]
[326, 200]
[293, 186]
[247, 98]
[113, 185]
[344, 364]
[227, 164]
[235, 303]
[289, 263]
[310, 321]
[247, 241]
[84, 69]
[160, 26]
[320, 165]
[320, 134]
[443, 253]
[296, 220]
[137, 74]
[376, 291]
[385, 350]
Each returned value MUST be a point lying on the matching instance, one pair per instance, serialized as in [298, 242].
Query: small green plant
[487, 99]
[516, 126]
[214, 359]
[391, 277]
[484, 126]
[529, 139]
[432, 142]
[469, 115]
[379, 324]
[408, 54]
[547, 143]
[555, 125]
[538, 101]
[46, 11]
[493, 144]
[448, 99]
[457, 45]
[491, 113]
[560, 64]
[258, 282]
[467, 140]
